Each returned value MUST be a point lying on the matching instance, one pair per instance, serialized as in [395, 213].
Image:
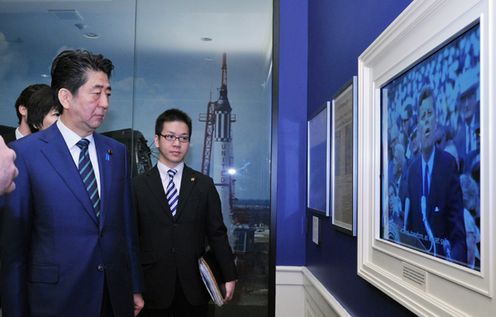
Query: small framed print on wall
[318, 161]
[343, 158]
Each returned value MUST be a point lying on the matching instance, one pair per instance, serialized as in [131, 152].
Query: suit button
[100, 268]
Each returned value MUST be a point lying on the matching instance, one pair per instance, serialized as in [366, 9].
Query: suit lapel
[105, 167]
[154, 183]
[188, 181]
[58, 155]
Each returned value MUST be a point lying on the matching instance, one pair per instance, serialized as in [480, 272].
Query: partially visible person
[469, 121]
[434, 191]
[43, 110]
[69, 243]
[22, 110]
[8, 170]
[471, 202]
[179, 214]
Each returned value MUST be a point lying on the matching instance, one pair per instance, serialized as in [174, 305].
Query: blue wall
[291, 147]
[339, 31]
[320, 42]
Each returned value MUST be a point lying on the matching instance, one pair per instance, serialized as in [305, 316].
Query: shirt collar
[71, 137]
[164, 168]
[18, 134]
[429, 162]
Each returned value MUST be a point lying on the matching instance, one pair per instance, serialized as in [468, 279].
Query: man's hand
[8, 171]
[139, 303]
[229, 290]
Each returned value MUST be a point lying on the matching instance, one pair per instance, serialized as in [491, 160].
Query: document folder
[212, 277]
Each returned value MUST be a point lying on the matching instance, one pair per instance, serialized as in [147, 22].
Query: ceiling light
[206, 39]
[91, 35]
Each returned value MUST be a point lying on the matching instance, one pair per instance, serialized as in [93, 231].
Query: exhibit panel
[172, 54]
[426, 107]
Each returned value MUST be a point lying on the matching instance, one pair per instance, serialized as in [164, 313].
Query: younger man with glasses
[178, 210]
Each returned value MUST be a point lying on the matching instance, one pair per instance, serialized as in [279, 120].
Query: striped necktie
[171, 192]
[88, 175]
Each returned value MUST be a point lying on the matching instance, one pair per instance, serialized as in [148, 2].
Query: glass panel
[185, 54]
[213, 61]
[32, 33]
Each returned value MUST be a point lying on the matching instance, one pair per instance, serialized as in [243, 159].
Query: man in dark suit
[22, 109]
[178, 210]
[434, 192]
[69, 236]
[466, 137]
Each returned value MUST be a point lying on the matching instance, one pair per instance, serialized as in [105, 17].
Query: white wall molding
[300, 294]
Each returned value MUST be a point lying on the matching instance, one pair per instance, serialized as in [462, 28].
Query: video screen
[430, 145]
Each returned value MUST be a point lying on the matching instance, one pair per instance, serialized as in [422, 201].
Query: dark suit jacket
[56, 255]
[10, 137]
[170, 246]
[444, 204]
[460, 140]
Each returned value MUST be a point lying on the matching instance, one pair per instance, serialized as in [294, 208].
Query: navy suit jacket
[460, 140]
[56, 254]
[444, 204]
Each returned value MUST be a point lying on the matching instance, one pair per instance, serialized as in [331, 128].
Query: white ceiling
[166, 34]
[170, 25]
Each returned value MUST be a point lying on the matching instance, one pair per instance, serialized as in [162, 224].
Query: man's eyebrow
[97, 86]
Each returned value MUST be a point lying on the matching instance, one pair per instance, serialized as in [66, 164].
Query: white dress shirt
[71, 138]
[162, 169]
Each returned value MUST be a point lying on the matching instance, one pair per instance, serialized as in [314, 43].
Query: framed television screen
[430, 146]
[426, 111]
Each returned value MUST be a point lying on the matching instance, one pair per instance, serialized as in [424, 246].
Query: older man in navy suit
[69, 236]
[434, 192]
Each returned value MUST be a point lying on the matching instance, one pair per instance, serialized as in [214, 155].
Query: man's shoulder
[9, 137]
[112, 143]
[445, 157]
[194, 173]
[30, 142]
[143, 176]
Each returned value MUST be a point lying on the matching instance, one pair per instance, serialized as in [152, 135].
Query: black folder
[212, 277]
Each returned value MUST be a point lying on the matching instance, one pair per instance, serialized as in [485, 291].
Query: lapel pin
[192, 179]
[107, 155]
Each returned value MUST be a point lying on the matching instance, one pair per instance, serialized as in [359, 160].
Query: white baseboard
[300, 294]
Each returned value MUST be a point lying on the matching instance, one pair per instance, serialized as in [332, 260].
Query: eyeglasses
[172, 138]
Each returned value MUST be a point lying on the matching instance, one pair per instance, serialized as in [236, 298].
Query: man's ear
[65, 97]
[23, 110]
[155, 140]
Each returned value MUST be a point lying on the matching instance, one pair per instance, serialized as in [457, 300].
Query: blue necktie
[171, 192]
[88, 175]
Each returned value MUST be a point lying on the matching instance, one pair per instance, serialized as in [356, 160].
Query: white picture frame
[425, 284]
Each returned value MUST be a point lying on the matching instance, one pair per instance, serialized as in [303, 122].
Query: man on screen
[435, 214]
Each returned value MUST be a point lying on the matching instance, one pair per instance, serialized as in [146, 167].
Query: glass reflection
[212, 59]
